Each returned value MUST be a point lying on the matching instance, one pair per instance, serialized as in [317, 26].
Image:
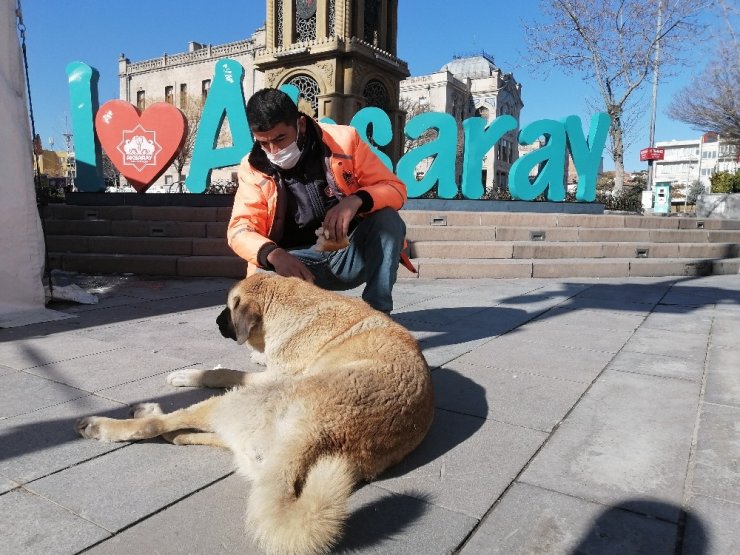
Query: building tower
[341, 54]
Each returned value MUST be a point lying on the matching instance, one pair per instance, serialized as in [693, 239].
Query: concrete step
[136, 228]
[145, 213]
[540, 220]
[138, 245]
[572, 249]
[150, 264]
[513, 233]
[434, 268]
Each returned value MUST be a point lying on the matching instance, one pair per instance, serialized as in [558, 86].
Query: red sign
[652, 154]
[141, 145]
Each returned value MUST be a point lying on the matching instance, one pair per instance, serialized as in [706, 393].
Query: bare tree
[193, 109]
[613, 43]
[712, 101]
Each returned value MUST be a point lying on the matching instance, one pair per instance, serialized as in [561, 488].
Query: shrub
[725, 182]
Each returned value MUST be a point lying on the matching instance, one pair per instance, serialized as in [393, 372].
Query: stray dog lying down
[346, 394]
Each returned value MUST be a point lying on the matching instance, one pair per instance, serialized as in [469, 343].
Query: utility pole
[654, 108]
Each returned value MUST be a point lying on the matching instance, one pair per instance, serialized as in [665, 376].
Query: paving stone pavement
[573, 416]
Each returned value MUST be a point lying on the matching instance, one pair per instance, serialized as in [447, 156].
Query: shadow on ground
[616, 531]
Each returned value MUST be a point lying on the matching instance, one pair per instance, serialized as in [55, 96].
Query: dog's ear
[246, 316]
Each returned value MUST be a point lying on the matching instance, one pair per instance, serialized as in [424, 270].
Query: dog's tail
[307, 522]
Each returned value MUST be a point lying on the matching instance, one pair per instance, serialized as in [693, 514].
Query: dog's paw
[91, 427]
[145, 409]
[190, 377]
[258, 358]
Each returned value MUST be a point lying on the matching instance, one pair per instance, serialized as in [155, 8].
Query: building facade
[687, 161]
[340, 54]
[184, 80]
[466, 87]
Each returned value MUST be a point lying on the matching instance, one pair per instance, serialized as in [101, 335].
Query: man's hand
[287, 265]
[338, 218]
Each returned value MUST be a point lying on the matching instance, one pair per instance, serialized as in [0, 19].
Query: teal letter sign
[442, 149]
[479, 139]
[551, 174]
[83, 100]
[587, 155]
[225, 100]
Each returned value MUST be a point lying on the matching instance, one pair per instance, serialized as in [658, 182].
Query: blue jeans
[371, 258]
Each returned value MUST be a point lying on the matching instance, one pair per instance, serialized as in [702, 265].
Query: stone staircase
[190, 241]
[515, 245]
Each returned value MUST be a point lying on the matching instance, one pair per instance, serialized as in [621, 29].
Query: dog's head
[241, 320]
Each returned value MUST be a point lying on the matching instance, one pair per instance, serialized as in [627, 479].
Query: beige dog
[346, 394]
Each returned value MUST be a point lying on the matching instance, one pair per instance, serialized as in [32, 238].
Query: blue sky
[430, 34]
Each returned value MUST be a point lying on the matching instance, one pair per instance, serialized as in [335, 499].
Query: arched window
[309, 88]
[305, 20]
[372, 16]
[332, 18]
[376, 94]
[279, 22]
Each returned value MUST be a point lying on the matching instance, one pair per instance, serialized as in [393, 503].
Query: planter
[718, 205]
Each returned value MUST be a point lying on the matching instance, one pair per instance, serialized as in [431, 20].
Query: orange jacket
[353, 166]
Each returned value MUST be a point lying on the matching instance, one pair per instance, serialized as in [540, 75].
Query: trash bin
[662, 198]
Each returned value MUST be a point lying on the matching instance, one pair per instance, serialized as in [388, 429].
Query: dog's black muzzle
[225, 324]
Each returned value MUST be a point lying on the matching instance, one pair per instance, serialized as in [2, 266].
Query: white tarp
[22, 294]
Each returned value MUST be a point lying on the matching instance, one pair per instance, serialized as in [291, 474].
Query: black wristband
[265, 250]
[367, 201]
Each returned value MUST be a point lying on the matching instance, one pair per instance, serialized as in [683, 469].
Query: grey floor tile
[156, 390]
[31, 353]
[532, 520]
[512, 397]
[39, 443]
[711, 527]
[724, 330]
[170, 337]
[440, 349]
[507, 352]
[658, 365]
[716, 469]
[692, 346]
[697, 321]
[723, 376]
[549, 333]
[102, 370]
[385, 523]
[5, 370]
[126, 485]
[626, 292]
[33, 525]
[608, 303]
[211, 520]
[21, 393]
[593, 319]
[629, 436]
[465, 462]
[6, 485]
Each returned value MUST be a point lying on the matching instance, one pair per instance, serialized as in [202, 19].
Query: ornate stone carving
[327, 70]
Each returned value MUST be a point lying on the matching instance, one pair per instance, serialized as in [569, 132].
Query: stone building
[186, 77]
[687, 161]
[466, 87]
[342, 56]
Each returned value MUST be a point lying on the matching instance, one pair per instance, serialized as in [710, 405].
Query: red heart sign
[141, 145]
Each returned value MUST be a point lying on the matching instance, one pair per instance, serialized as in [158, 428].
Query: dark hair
[269, 107]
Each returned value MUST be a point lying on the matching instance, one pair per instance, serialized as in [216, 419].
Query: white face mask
[286, 158]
